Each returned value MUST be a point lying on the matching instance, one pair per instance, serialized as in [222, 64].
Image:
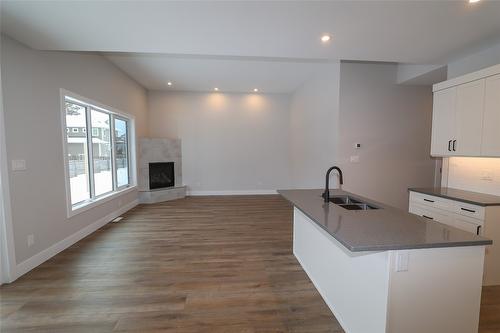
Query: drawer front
[469, 210]
[453, 206]
[465, 223]
[431, 213]
[431, 201]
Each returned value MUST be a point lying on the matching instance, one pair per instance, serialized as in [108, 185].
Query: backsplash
[477, 174]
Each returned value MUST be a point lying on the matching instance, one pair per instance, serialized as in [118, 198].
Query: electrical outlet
[18, 165]
[354, 159]
[487, 175]
[402, 261]
[31, 240]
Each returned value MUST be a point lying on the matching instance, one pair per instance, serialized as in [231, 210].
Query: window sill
[87, 205]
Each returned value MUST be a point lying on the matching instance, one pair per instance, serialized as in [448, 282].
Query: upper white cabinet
[491, 120]
[466, 115]
[469, 119]
[443, 121]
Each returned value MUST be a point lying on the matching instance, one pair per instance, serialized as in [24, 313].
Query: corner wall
[393, 125]
[314, 110]
[31, 81]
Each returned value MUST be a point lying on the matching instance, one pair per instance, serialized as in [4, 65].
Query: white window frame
[80, 207]
[112, 134]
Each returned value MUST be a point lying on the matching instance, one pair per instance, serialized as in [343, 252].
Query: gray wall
[230, 142]
[314, 128]
[31, 81]
[393, 124]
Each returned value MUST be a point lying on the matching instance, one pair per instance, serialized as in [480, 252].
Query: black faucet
[326, 194]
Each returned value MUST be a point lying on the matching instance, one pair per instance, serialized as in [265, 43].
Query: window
[121, 152]
[99, 164]
[101, 146]
[78, 159]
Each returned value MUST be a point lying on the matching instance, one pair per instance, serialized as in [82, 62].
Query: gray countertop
[474, 198]
[381, 229]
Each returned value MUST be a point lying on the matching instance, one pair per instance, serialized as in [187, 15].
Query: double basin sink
[350, 203]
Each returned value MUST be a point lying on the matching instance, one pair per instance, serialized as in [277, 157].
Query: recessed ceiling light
[169, 83]
[256, 90]
[216, 89]
[474, 1]
[326, 38]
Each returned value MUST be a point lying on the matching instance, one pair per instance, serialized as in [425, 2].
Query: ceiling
[242, 44]
[229, 74]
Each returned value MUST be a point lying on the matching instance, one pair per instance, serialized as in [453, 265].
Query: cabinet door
[469, 118]
[491, 122]
[443, 121]
[467, 224]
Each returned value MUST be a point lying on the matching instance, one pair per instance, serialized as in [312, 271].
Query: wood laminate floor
[201, 264]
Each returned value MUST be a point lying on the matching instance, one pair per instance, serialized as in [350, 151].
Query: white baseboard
[231, 192]
[48, 253]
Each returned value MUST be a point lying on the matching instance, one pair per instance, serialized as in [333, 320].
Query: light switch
[18, 165]
[402, 261]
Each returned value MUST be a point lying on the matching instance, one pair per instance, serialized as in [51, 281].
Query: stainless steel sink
[350, 203]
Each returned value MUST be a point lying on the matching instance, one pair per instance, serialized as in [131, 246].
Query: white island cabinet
[387, 271]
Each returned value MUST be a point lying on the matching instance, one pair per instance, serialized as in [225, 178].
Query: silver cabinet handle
[454, 145]
[449, 145]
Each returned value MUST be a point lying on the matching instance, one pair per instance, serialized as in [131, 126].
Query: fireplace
[161, 175]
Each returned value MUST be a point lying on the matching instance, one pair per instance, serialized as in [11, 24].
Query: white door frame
[7, 254]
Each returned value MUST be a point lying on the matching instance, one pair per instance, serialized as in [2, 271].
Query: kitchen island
[385, 270]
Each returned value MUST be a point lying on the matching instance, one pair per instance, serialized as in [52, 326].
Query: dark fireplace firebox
[161, 175]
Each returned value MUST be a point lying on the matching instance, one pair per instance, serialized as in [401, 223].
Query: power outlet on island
[402, 261]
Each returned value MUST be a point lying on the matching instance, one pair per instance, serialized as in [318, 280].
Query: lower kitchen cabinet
[484, 221]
